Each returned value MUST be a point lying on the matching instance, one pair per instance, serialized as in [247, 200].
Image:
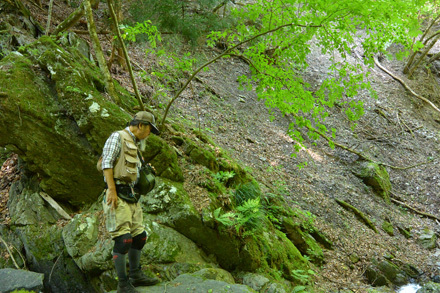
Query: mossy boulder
[165, 245]
[376, 176]
[388, 273]
[200, 154]
[429, 287]
[88, 244]
[303, 241]
[270, 250]
[56, 116]
[163, 157]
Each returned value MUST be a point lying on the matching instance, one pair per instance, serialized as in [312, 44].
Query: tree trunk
[117, 50]
[422, 39]
[127, 59]
[99, 54]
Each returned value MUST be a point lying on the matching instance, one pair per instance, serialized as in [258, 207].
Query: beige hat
[147, 118]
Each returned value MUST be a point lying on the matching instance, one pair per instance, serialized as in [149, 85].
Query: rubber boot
[137, 277]
[124, 285]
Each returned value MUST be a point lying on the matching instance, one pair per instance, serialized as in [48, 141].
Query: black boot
[124, 286]
[138, 278]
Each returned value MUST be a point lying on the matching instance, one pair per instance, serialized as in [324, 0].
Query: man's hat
[147, 118]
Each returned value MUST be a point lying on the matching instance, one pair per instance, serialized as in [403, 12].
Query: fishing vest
[126, 166]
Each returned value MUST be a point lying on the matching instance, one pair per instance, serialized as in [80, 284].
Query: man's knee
[123, 244]
[139, 241]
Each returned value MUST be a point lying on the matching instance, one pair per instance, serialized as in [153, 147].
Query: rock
[194, 283]
[11, 280]
[215, 274]
[303, 241]
[276, 288]
[26, 207]
[90, 247]
[255, 281]
[165, 245]
[57, 117]
[376, 176]
[386, 273]
[430, 287]
[388, 228]
[163, 157]
[406, 232]
[427, 239]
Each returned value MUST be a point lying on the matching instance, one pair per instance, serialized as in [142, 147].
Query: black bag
[146, 181]
[126, 193]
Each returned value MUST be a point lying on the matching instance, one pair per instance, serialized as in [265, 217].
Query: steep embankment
[397, 130]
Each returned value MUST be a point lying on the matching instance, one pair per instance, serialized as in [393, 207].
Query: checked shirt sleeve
[111, 150]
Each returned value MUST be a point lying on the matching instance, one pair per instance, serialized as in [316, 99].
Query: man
[120, 164]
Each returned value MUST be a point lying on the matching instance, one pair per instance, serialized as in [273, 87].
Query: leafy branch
[215, 59]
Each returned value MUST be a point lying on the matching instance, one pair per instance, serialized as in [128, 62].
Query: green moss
[377, 177]
[163, 157]
[388, 227]
[204, 158]
[305, 243]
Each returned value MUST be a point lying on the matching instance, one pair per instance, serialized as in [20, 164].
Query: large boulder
[34, 229]
[47, 98]
[12, 280]
[232, 251]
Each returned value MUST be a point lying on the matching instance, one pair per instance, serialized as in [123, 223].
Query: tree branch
[226, 52]
[406, 86]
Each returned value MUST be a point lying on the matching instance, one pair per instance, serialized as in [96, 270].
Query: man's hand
[112, 198]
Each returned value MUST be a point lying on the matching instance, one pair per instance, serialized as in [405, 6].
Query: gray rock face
[11, 280]
[427, 239]
[192, 283]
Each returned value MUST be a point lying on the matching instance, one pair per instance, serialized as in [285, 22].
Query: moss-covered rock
[56, 116]
[406, 232]
[427, 239]
[429, 287]
[163, 157]
[303, 241]
[376, 176]
[389, 273]
[91, 251]
[388, 228]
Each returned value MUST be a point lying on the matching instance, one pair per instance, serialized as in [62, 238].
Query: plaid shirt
[112, 148]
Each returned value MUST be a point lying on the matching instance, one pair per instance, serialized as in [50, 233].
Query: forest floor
[397, 129]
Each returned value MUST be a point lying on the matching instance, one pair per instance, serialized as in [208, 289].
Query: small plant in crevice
[245, 192]
[224, 176]
[247, 219]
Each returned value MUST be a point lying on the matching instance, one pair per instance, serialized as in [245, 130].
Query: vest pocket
[131, 148]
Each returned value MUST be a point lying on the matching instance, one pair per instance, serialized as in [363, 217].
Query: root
[406, 86]
[358, 213]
